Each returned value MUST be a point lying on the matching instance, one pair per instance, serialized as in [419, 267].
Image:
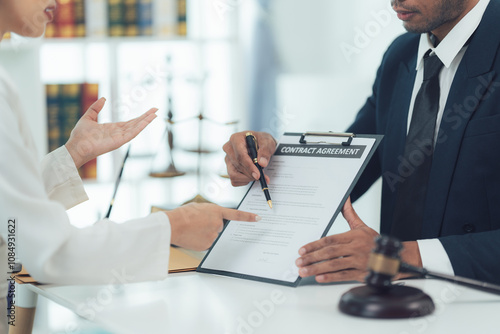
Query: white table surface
[204, 303]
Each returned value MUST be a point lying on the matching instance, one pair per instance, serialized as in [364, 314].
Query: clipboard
[245, 250]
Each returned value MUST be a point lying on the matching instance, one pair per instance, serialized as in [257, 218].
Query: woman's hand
[196, 226]
[90, 139]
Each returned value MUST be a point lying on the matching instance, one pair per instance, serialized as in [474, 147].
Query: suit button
[469, 228]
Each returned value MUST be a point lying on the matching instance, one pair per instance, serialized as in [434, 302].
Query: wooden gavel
[379, 298]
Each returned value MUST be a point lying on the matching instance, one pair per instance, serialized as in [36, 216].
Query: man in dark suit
[440, 194]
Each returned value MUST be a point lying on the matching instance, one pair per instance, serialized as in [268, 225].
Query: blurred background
[212, 67]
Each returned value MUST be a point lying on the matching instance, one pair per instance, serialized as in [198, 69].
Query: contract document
[309, 183]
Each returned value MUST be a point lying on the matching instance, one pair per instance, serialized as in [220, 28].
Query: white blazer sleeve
[53, 250]
[61, 179]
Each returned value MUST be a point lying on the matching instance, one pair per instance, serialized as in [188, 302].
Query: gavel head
[384, 262]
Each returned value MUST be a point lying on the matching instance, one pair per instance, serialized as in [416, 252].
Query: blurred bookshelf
[185, 63]
[80, 18]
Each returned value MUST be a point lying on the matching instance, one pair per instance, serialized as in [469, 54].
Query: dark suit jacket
[463, 201]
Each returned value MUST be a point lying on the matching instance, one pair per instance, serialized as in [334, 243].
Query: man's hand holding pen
[240, 166]
[253, 147]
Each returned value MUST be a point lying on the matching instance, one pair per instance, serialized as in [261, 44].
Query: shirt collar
[451, 45]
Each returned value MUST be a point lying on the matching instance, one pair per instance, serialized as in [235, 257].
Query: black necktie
[419, 147]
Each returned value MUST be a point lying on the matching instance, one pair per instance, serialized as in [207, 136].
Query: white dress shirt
[49, 247]
[450, 51]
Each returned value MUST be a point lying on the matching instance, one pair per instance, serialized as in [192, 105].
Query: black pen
[253, 147]
[117, 183]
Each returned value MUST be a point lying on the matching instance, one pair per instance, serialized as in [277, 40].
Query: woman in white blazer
[37, 195]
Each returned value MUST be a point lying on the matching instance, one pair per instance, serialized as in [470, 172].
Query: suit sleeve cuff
[434, 256]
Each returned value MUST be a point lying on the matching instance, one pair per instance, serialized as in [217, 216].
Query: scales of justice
[171, 170]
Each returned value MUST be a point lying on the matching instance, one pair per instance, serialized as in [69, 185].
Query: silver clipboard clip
[327, 134]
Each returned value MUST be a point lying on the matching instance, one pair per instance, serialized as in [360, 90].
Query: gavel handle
[471, 283]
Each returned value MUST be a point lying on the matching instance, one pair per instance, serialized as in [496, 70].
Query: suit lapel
[398, 123]
[469, 87]
[395, 136]
[461, 105]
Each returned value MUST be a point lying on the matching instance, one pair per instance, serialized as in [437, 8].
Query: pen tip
[270, 204]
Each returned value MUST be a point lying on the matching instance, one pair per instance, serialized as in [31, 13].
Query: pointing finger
[232, 214]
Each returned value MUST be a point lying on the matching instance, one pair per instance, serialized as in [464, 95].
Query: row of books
[66, 103]
[99, 18]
